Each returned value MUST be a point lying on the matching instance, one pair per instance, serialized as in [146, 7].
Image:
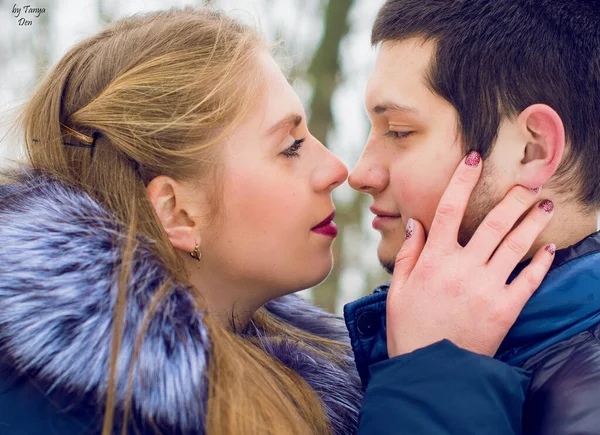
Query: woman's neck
[229, 302]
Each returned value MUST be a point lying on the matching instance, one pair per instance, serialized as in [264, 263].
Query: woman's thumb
[407, 257]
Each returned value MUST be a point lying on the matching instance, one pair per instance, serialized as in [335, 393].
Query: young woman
[172, 201]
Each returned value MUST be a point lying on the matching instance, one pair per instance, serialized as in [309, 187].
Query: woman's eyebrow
[292, 118]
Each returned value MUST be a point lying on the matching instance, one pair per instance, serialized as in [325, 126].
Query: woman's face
[276, 185]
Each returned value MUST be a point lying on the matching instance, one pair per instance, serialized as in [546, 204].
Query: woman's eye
[398, 134]
[292, 151]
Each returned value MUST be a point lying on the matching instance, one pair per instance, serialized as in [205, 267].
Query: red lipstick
[327, 227]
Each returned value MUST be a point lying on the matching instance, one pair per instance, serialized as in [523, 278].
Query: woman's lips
[329, 230]
[327, 227]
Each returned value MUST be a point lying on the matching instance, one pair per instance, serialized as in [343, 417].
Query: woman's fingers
[530, 278]
[409, 254]
[452, 206]
[439, 291]
[518, 242]
[499, 221]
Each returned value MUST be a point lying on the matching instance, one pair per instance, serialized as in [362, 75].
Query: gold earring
[196, 254]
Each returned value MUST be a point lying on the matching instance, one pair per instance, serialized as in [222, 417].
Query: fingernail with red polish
[551, 248]
[546, 206]
[473, 159]
[410, 229]
[536, 190]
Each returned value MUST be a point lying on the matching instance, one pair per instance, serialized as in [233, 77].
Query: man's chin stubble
[483, 200]
[388, 266]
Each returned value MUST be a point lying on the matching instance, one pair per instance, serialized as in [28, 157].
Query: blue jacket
[59, 259]
[555, 340]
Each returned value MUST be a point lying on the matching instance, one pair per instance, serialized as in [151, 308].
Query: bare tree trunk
[324, 73]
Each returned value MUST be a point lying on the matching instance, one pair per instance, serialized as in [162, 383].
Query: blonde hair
[160, 91]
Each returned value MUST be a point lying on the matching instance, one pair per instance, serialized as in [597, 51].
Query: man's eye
[292, 151]
[398, 134]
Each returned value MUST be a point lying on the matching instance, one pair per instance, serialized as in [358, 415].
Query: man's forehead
[395, 95]
[398, 79]
[415, 45]
[409, 59]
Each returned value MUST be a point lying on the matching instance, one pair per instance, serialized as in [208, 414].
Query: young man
[518, 81]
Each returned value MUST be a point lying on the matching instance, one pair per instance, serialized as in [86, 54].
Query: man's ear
[545, 147]
[175, 210]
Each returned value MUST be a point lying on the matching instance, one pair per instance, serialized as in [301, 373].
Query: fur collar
[59, 263]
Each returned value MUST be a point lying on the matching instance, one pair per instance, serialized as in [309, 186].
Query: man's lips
[383, 218]
[382, 213]
[327, 227]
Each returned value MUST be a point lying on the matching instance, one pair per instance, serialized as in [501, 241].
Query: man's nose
[368, 176]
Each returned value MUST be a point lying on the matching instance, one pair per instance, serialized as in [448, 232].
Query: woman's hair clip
[85, 140]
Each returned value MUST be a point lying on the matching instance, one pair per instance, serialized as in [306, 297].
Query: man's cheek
[428, 212]
[418, 201]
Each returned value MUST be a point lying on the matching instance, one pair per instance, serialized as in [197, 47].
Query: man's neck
[567, 227]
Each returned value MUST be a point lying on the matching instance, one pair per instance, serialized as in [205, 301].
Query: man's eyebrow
[292, 118]
[393, 107]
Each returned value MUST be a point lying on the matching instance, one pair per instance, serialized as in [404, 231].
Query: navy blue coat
[555, 341]
[59, 262]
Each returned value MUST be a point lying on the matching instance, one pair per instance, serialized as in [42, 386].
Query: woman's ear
[175, 208]
[545, 145]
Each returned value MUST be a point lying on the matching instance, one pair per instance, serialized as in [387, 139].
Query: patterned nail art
[546, 206]
[473, 159]
[536, 190]
[410, 229]
[551, 248]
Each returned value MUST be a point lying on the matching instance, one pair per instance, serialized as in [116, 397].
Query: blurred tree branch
[325, 75]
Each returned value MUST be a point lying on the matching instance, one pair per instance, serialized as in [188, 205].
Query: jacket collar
[566, 303]
[59, 272]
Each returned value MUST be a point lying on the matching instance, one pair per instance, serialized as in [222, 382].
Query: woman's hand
[441, 290]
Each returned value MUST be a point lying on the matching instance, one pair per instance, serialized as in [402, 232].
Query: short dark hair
[494, 58]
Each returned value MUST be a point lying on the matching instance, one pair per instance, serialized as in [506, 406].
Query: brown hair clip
[87, 141]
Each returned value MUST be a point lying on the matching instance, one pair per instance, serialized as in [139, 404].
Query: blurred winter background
[328, 60]
[327, 49]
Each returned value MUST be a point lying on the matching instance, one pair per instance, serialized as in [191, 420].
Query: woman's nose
[331, 174]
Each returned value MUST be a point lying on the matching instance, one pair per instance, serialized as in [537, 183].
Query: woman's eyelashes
[292, 151]
[398, 134]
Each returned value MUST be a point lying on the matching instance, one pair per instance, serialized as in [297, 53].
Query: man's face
[413, 149]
